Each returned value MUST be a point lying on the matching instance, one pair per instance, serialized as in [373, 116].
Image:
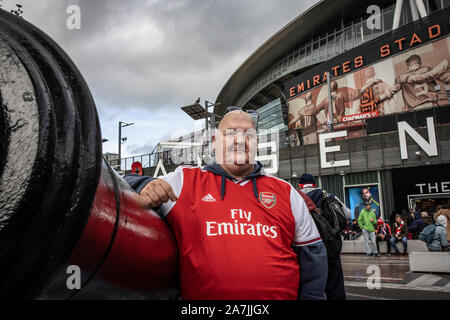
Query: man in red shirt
[241, 234]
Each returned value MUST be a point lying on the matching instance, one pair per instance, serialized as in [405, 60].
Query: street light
[331, 97]
[196, 111]
[122, 125]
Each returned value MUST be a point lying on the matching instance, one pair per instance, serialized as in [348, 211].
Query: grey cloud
[155, 55]
[199, 44]
[141, 149]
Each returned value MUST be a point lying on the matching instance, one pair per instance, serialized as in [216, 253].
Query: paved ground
[396, 281]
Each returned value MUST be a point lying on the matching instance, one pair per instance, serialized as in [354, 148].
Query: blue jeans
[369, 239]
[394, 241]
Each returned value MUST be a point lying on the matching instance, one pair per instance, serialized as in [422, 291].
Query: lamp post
[196, 111]
[330, 104]
[122, 125]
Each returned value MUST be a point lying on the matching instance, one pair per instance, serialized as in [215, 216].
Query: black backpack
[331, 238]
[333, 211]
[330, 221]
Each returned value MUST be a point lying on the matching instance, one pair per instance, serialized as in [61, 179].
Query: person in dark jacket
[355, 230]
[416, 225]
[392, 218]
[406, 216]
[399, 233]
[335, 289]
[383, 233]
[346, 232]
[427, 219]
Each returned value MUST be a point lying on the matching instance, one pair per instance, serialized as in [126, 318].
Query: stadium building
[359, 93]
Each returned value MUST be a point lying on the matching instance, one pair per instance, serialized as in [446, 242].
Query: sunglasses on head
[250, 112]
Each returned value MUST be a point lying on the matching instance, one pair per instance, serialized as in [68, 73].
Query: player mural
[401, 83]
[356, 197]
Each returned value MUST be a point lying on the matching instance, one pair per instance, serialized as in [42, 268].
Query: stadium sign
[429, 147]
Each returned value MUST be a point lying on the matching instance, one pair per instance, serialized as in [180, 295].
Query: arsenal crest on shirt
[267, 199]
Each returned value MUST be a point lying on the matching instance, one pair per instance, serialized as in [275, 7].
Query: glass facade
[271, 117]
[271, 121]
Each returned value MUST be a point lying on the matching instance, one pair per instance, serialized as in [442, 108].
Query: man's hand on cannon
[156, 193]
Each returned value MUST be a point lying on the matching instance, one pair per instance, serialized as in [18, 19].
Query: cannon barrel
[61, 205]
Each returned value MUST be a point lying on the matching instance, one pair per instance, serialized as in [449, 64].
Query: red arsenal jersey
[238, 247]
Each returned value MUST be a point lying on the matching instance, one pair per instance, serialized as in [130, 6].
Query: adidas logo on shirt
[208, 198]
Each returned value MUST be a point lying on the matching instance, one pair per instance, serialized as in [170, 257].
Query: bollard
[60, 204]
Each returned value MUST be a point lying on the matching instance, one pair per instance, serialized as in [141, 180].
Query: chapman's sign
[385, 46]
[360, 116]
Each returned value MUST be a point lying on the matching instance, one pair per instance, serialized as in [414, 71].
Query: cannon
[62, 207]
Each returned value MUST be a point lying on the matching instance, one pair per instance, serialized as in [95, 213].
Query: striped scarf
[398, 228]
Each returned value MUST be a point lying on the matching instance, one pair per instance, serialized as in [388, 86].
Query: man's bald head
[234, 117]
[235, 143]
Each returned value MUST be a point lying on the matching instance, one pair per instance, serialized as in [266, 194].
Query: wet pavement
[394, 278]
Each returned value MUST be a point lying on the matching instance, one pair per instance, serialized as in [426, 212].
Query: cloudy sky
[144, 59]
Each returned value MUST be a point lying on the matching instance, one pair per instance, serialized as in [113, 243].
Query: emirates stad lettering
[240, 225]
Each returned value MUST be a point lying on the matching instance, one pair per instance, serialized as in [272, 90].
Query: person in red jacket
[383, 233]
[241, 233]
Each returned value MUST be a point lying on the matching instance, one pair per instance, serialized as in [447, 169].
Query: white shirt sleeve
[306, 232]
[175, 180]
[347, 211]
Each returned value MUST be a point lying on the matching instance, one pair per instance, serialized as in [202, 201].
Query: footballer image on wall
[356, 197]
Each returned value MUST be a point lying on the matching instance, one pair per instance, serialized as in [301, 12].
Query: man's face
[308, 98]
[413, 66]
[369, 73]
[366, 194]
[334, 86]
[290, 117]
[235, 142]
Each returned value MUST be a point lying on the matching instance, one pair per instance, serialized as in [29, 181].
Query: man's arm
[310, 250]
[161, 192]
[374, 218]
[361, 220]
[430, 75]
[443, 239]
[138, 182]
[388, 94]
[314, 271]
